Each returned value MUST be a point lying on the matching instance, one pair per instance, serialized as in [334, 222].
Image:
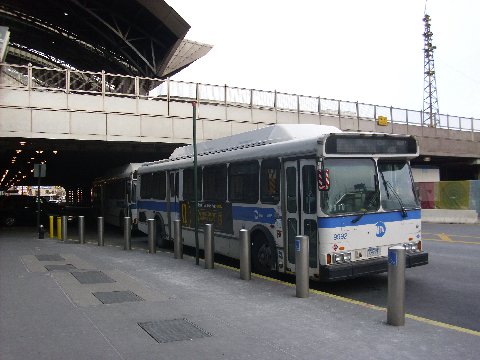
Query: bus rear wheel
[262, 256]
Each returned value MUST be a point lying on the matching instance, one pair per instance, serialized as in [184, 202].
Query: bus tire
[263, 254]
[161, 236]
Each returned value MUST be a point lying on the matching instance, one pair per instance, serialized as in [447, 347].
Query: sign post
[195, 184]
[39, 171]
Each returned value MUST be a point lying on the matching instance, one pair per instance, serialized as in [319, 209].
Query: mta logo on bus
[381, 228]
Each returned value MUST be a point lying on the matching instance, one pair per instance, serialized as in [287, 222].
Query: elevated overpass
[103, 112]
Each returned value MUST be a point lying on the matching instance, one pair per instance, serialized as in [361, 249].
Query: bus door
[132, 199]
[172, 200]
[127, 199]
[301, 208]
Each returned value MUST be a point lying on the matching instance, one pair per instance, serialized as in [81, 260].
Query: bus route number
[342, 236]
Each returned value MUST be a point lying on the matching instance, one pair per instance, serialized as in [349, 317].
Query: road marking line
[364, 304]
[455, 235]
[455, 241]
[444, 237]
[443, 325]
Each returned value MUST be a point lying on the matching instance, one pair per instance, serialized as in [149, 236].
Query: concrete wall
[446, 216]
[56, 114]
[426, 174]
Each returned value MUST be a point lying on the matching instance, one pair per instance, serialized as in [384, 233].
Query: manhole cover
[52, 257]
[113, 297]
[67, 267]
[173, 330]
[92, 277]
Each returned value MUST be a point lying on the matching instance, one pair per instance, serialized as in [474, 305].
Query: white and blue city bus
[114, 195]
[351, 193]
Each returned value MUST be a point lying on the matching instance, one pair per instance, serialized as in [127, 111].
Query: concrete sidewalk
[194, 313]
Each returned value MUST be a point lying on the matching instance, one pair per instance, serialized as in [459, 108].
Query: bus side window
[243, 182]
[270, 181]
[188, 193]
[215, 183]
[159, 190]
[146, 186]
[172, 184]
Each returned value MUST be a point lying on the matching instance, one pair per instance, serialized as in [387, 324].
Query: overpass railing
[101, 83]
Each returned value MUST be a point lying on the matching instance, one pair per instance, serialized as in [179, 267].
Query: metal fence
[74, 81]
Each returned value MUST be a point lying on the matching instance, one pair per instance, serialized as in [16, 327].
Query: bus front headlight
[338, 258]
[342, 257]
[411, 246]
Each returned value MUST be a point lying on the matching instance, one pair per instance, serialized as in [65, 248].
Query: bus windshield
[352, 187]
[396, 183]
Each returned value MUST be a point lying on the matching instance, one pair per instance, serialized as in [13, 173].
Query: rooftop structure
[134, 37]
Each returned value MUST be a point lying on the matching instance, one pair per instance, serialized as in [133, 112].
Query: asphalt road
[445, 290]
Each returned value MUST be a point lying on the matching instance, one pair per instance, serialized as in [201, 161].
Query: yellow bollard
[52, 231]
[59, 227]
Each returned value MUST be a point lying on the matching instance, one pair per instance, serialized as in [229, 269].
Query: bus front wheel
[262, 255]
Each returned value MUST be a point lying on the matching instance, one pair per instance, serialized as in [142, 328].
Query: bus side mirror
[323, 180]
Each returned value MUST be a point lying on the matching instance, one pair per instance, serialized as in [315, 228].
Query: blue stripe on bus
[256, 214]
[367, 219]
[156, 205]
[267, 215]
[251, 213]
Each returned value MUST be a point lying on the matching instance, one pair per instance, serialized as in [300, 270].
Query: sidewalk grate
[92, 277]
[66, 267]
[51, 257]
[173, 330]
[114, 297]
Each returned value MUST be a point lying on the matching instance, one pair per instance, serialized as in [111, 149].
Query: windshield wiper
[370, 203]
[387, 185]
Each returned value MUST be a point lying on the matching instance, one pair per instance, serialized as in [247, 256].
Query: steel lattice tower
[430, 99]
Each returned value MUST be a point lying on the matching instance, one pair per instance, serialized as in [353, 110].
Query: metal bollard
[59, 228]
[81, 229]
[52, 230]
[64, 228]
[245, 255]
[301, 266]
[152, 235]
[127, 224]
[396, 286]
[208, 246]
[177, 240]
[101, 231]
[41, 232]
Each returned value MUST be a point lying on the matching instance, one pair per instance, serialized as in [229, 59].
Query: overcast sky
[369, 51]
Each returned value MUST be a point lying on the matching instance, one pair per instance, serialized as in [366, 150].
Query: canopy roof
[134, 37]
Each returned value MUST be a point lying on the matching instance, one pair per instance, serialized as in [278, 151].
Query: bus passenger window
[243, 182]
[146, 186]
[174, 184]
[159, 186]
[270, 181]
[215, 183]
[188, 184]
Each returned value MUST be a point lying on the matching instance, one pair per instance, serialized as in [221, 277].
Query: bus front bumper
[365, 267]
